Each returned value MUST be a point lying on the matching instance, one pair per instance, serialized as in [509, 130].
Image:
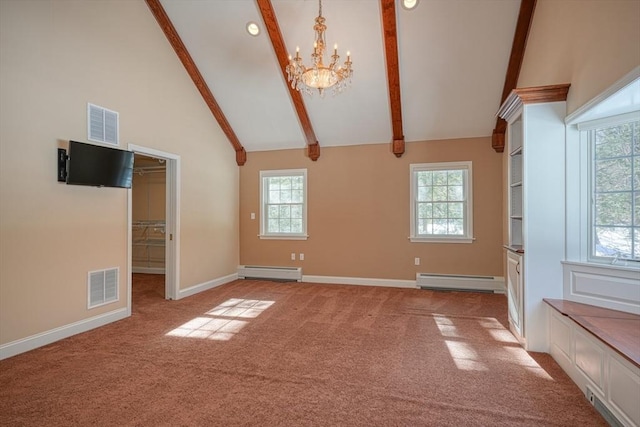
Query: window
[441, 204]
[283, 204]
[615, 191]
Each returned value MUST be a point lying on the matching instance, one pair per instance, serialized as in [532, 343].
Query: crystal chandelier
[319, 76]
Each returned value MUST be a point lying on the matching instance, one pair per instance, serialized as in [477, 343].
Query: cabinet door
[514, 290]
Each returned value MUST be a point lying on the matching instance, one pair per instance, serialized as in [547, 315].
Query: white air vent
[103, 286]
[453, 282]
[277, 273]
[102, 124]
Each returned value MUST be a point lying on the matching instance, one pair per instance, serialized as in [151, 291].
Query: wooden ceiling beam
[389, 26]
[525, 17]
[176, 42]
[273, 28]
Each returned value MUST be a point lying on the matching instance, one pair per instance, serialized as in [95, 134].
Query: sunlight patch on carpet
[520, 356]
[220, 323]
[446, 326]
[464, 356]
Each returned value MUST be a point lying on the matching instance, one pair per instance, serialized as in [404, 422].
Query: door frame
[172, 225]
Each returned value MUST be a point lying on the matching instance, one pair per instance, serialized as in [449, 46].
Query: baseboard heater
[270, 273]
[603, 410]
[451, 282]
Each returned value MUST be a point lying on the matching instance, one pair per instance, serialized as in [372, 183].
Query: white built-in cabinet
[536, 207]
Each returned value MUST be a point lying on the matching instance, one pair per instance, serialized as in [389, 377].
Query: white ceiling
[453, 57]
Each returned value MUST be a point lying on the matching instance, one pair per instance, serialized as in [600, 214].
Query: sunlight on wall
[221, 323]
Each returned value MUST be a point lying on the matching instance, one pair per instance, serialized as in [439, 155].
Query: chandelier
[318, 75]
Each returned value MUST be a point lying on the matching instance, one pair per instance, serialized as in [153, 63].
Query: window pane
[425, 178]
[285, 211]
[424, 194]
[296, 226]
[455, 177]
[440, 226]
[296, 211]
[440, 193]
[456, 210]
[440, 210]
[636, 171]
[285, 225]
[297, 196]
[439, 177]
[613, 175]
[636, 215]
[274, 183]
[613, 141]
[455, 192]
[273, 226]
[456, 227]
[613, 241]
[613, 209]
[273, 212]
[425, 210]
[636, 245]
[425, 226]
[285, 183]
[274, 197]
[297, 183]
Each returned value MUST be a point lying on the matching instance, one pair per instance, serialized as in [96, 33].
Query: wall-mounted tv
[94, 165]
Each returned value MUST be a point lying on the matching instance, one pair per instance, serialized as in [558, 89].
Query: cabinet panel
[589, 359]
[514, 293]
[624, 390]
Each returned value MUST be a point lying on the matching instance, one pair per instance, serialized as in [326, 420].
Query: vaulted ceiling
[444, 80]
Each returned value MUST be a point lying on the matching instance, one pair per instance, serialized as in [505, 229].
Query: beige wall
[358, 212]
[588, 43]
[55, 56]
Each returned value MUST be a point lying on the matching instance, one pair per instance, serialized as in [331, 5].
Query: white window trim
[283, 236]
[468, 188]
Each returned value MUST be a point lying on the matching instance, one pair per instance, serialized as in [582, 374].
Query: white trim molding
[617, 288]
[192, 290]
[360, 281]
[34, 341]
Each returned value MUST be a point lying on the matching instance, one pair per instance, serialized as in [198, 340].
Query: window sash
[283, 203]
[441, 201]
[610, 189]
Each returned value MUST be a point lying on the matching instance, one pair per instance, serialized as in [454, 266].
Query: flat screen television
[99, 166]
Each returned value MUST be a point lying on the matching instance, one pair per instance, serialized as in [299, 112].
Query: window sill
[615, 267]
[414, 239]
[283, 237]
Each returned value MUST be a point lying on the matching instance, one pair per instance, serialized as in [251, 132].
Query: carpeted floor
[294, 354]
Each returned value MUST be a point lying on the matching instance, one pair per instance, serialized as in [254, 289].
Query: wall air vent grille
[102, 124]
[103, 286]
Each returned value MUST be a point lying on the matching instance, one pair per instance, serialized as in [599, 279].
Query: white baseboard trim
[183, 293]
[361, 281]
[147, 270]
[38, 340]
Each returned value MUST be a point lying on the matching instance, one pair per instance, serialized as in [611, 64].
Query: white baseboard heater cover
[264, 272]
[452, 282]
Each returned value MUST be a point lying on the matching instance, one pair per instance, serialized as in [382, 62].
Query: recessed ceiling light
[409, 4]
[252, 28]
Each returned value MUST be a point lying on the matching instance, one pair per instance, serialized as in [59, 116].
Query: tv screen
[99, 166]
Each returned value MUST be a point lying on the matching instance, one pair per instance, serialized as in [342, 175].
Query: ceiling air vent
[102, 124]
[103, 286]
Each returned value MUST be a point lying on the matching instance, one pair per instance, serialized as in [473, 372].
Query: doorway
[153, 219]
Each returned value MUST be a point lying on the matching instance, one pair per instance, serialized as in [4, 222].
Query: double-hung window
[441, 202]
[283, 204]
[614, 214]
